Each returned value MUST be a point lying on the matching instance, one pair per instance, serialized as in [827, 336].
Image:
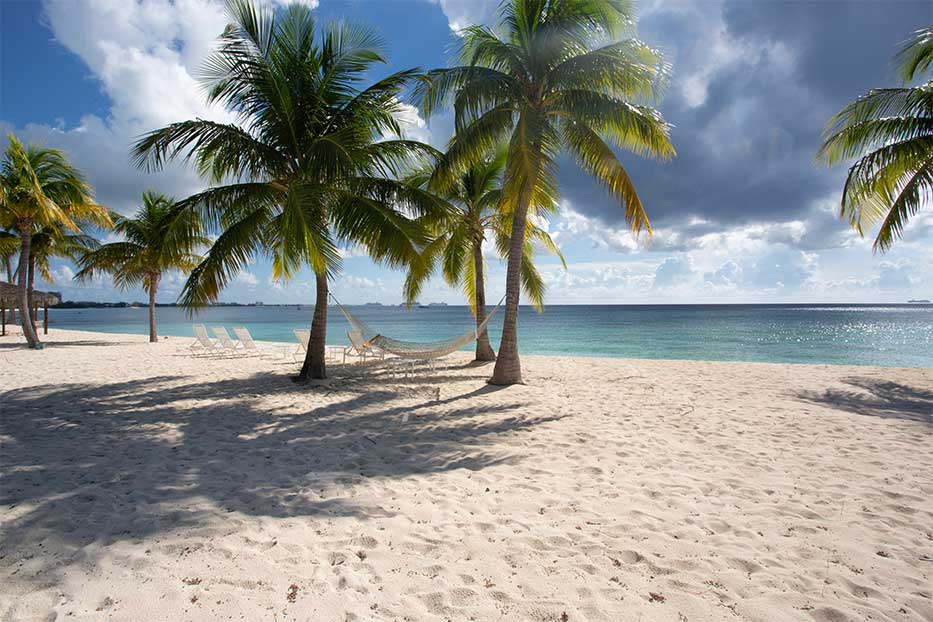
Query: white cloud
[145, 56]
[63, 275]
[463, 13]
[673, 271]
[247, 278]
[352, 251]
[574, 225]
[311, 4]
[414, 127]
[361, 282]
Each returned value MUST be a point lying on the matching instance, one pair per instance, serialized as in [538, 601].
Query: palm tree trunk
[31, 294]
[153, 289]
[25, 313]
[314, 365]
[484, 351]
[508, 368]
[10, 275]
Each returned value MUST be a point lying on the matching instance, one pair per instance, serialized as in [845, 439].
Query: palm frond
[916, 55]
[596, 158]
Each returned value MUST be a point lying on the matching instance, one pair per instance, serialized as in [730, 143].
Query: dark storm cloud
[774, 73]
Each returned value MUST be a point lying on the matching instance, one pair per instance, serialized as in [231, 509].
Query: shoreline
[462, 353]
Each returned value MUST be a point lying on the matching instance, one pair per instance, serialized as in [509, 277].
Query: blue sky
[742, 215]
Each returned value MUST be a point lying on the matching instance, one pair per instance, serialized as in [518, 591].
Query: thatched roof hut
[9, 296]
[9, 299]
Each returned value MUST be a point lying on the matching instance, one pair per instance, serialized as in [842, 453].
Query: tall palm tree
[42, 191]
[160, 237]
[890, 132]
[458, 239]
[558, 78]
[51, 242]
[308, 157]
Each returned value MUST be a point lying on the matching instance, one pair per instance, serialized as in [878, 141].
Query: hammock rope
[413, 349]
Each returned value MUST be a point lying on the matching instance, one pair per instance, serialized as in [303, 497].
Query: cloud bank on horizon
[741, 215]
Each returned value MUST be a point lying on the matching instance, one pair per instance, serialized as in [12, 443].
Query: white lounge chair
[303, 337]
[363, 349]
[331, 352]
[202, 343]
[251, 346]
[229, 345]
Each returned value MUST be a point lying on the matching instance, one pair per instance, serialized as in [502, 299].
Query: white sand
[139, 483]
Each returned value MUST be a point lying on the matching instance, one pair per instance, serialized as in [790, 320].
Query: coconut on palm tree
[563, 76]
[890, 134]
[42, 192]
[308, 164]
[458, 239]
[158, 238]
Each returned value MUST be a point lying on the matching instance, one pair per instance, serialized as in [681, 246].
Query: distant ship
[432, 304]
[923, 301]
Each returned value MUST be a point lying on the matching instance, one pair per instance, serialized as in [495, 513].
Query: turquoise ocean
[883, 335]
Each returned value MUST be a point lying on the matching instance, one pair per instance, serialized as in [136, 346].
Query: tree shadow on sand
[877, 398]
[130, 459]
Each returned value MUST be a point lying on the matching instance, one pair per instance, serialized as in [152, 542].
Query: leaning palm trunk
[314, 365]
[31, 295]
[25, 314]
[508, 368]
[484, 351]
[10, 275]
[153, 289]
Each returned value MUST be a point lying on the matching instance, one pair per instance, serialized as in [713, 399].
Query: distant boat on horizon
[922, 301]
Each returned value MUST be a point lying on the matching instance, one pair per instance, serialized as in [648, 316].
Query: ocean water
[883, 335]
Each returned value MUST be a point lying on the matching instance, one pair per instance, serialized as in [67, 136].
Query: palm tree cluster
[316, 159]
[308, 163]
[556, 76]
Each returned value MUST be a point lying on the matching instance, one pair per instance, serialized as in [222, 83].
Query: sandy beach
[141, 483]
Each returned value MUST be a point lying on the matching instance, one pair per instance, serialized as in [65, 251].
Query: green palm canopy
[554, 76]
[159, 238]
[42, 196]
[457, 244]
[889, 133]
[311, 161]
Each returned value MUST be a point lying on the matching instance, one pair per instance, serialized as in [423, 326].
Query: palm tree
[557, 79]
[458, 241]
[160, 237]
[890, 132]
[42, 191]
[51, 242]
[309, 158]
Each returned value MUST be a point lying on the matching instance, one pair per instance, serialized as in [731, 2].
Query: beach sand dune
[141, 483]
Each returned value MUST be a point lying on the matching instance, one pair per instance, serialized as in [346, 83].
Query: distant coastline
[90, 304]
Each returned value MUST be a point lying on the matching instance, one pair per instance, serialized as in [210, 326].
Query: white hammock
[414, 349]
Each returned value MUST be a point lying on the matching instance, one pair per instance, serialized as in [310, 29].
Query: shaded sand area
[139, 483]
